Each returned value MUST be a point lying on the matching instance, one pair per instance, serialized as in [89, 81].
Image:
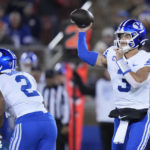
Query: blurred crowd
[24, 22]
[111, 13]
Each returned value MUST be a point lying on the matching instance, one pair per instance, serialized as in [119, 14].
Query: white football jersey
[19, 90]
[125, 95]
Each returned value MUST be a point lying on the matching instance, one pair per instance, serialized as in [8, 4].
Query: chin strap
[125, 48]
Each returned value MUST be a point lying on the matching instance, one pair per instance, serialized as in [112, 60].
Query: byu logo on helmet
[137, 25]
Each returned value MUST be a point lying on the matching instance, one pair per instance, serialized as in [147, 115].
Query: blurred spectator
[32, 20]
[100, 47]
[19, 32]
[4, 38]
[27, 61]
[49, 10]
[108, 35]
[57, 103]
[144, 17]
[39, 77]
[60, 73]
[17, 5]
[136, 7]
[3, 16]
[104, 103]
[67, 6]
[148, 2]
[3, 3]
[120, 16]
[106, 40]
[62, 139]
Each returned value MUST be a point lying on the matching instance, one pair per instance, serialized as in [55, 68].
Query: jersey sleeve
[107, 52]
[145, 62]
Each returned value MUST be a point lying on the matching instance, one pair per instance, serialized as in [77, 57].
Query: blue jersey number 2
[126, 88]
[26, 87]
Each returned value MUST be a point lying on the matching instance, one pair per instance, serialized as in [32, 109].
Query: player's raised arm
[84, 20]
[90, 57]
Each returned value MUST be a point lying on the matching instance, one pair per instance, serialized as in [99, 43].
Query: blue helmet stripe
[124, 23]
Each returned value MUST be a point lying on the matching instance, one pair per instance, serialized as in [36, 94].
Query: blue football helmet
[29, 57]
[137, 33]
[59, 68]
[27, 61]
[7, 61]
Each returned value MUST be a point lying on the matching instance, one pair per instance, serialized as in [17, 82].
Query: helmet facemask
[137, 34]
[129, 44]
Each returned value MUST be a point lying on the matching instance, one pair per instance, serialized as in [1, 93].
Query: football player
[35, 128]
[27, 61]
[129, 70]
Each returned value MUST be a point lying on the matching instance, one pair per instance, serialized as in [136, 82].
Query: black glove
[77, 79]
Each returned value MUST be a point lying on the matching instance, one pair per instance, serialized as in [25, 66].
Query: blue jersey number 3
[126, 88]
[26, 87]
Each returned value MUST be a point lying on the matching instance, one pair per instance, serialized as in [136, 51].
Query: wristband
[123, 66]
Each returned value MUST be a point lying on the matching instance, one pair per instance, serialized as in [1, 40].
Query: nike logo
[121, 117]
[134, 65]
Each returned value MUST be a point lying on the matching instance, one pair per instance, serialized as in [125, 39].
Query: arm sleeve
[89, 57]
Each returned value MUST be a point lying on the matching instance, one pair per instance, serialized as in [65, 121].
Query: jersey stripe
[12, 139]
[145, 135]
[20, 136]
[16, 138]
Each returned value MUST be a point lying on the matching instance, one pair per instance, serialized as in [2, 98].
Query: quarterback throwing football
[129, 70]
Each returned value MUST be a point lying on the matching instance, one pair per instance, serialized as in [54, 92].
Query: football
[82, 18]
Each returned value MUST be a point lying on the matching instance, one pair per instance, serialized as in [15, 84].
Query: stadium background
[50, 17]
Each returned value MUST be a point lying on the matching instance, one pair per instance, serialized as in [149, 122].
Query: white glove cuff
[123, 66]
